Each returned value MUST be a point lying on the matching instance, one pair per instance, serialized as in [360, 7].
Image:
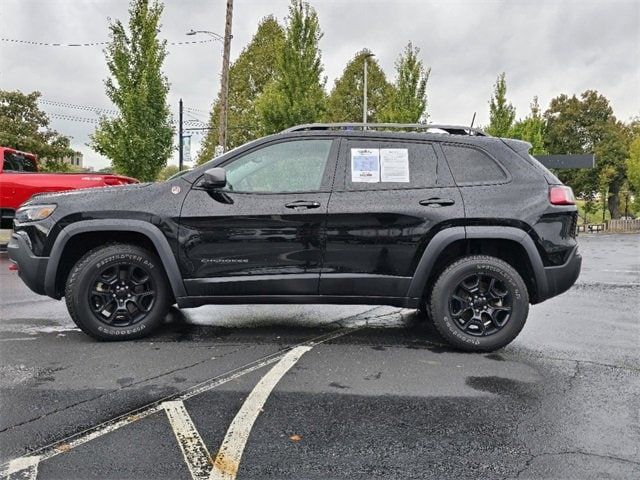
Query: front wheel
[479, 303]
[117, 292]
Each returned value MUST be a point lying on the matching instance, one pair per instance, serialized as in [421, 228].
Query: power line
[91, 44]
[194, 116]
[191, 109]
[72, 118]
[74, 106]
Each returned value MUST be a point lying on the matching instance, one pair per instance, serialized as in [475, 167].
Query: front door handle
[437, 202]
[302, 205]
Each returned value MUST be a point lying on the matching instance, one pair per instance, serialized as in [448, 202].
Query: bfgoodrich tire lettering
[479, 303]
[125, 282]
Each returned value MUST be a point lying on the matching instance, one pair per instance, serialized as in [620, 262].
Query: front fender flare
[153, 233]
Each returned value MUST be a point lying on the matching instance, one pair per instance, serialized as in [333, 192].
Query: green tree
[248, 76]
[501, 113]
[587, 125]
[633, 164]
[345, 100]
[296, 95]
[25, 127]
[408, 100]
[167, 172]
[531, 129]
[139, 140]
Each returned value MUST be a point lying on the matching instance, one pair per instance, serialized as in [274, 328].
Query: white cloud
[545, 47]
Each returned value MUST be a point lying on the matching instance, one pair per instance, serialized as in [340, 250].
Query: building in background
[76, 160]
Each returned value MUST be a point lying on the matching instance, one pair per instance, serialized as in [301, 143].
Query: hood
[86, 193]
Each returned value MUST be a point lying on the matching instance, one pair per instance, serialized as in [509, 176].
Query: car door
[381, 217]
[262, 234]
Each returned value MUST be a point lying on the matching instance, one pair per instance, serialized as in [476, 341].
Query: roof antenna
[472, 121]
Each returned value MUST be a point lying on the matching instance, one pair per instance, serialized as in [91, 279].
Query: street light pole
[224, 83]
[364, 99]
[224, 92]
[180, 138]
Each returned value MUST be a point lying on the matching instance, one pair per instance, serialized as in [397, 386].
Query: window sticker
[365, 165]
[394, 165]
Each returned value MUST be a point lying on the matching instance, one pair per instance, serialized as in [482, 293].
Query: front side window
[295, 166]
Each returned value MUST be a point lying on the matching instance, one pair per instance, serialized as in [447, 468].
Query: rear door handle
[302, 205]
[437, 202]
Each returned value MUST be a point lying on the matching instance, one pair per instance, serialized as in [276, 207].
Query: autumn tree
[408, 100]
[531, 129]
[25, 127]
[296, 94]
[345, 100]
[139, 139]
[501, 112]
[587, 125]
[254, 68]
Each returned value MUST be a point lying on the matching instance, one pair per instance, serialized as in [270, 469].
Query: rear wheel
[479, 303]
[117, 292]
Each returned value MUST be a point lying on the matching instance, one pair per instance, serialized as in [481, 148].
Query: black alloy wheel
[480, 305]
[118, 292]
[122, 294]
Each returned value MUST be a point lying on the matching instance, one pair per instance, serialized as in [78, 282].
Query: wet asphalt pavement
[376, 396]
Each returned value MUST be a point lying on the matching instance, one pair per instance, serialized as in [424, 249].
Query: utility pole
[224, 87]
[364, 94]
[180, 138]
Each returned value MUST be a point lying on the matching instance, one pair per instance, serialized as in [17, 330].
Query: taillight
[561, 195]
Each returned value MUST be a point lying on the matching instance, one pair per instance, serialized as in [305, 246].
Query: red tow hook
[13, 267]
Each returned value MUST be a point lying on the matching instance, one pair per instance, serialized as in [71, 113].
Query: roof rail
[450, 129]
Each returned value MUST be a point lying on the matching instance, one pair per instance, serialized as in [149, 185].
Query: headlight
[33, 213]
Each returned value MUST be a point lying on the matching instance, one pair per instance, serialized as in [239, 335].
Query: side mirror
[215, 178]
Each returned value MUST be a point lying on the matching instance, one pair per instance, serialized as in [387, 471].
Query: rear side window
[470, 165]
[15, 162]
[390, 165]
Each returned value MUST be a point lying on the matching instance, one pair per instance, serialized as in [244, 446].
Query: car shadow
[404, 328]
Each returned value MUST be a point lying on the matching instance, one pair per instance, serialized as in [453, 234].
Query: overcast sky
[546, 47]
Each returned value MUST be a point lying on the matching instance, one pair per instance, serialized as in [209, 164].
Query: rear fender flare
[446, 237]
[153, 233]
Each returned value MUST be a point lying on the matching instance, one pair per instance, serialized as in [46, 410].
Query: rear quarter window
[470, 165]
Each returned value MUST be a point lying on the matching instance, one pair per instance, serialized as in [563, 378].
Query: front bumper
[31, 268]
[559, 279]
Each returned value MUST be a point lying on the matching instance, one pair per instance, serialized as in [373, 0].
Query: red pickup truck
[19, 179]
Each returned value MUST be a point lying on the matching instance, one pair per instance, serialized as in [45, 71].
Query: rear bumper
[559, 279]
[30, 267]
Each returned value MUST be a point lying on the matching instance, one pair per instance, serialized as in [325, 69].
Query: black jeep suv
[468, 228]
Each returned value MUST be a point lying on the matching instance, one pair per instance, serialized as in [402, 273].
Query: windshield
[18, 162]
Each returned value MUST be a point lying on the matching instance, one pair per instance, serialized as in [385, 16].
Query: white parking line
[24, 468]
[227, 461]
[73, 441]
[225, 466]
[193, 448]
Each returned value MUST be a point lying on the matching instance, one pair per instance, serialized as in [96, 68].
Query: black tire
[479, 318]
[118, 292]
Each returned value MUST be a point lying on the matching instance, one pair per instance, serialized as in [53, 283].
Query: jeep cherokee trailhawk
[469, 229]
